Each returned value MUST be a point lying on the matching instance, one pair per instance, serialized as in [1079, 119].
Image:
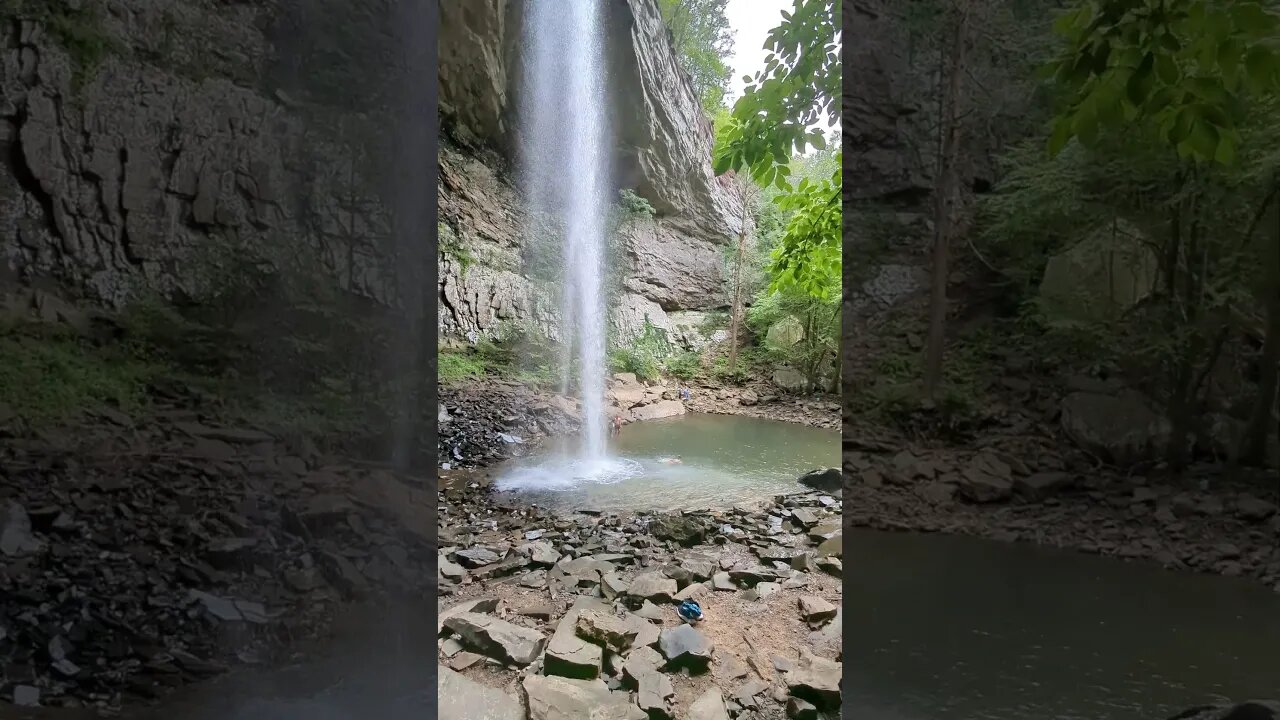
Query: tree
[1184, 74]
[776, 120]
[944, 195]
[747, 194]
[702, 38]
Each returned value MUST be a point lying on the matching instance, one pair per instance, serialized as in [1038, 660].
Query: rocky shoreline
[487, 421]
[141, 554]
[1203, 523]
[539, 610]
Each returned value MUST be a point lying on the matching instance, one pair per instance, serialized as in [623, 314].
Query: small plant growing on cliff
[79, 31]
[451, 247]
[634, 205]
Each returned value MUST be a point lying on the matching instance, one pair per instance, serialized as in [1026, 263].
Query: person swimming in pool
[615, 426]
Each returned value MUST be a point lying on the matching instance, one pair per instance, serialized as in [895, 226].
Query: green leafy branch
[1184, 65]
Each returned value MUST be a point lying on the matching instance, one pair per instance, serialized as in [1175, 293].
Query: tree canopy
[703, 39]
[778, 118]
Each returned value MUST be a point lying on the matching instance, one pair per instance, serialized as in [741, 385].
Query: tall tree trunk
[735, 320]
[1254, 450]
[943, 194]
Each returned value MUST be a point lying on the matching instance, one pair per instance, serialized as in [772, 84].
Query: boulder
[556, 698]
[816, 680]
[654, 587]
[606, 630]
[986, 479]
[816, 610]
[460, 697]
[658, 410]
[496, 638]
[1122, 429]
[829, 480]
[653, 688]
[570, 655]
[684, 530]
[790, 379]
[785, 333]
[683, 646]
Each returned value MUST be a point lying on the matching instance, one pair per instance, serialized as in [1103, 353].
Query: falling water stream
[564, 150]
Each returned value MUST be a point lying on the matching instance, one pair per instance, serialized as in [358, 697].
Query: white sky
[751, 21]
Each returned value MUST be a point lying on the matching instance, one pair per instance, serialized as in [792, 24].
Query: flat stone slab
[557, 698]
[570, 655]
[460, 697]
[708, 706]
[497, 638]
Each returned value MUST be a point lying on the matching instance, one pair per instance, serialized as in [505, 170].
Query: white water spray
[564, 154]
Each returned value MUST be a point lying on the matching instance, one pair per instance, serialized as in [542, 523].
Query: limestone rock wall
[172, 152]
[662, 152]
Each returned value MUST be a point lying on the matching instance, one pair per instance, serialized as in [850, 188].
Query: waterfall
[564, 151]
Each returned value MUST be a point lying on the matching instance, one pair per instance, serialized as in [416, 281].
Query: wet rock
[936, 493]
[556, 698]
[658, 410]
[828, 480]
[684, 530]
[685, 647]
[496, 638]
[460, 697]
[708, 706]
[815, 610]
[606, 630]
[653, 587]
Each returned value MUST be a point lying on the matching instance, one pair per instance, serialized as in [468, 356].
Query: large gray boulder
[1120, 428]
[830, 480]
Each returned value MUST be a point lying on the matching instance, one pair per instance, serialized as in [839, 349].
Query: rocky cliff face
[160, 146]
[662, 152]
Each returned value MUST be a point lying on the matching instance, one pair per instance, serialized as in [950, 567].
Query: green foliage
[632, 204]
[80, 31]
[703, 40]
[800, 83]
[816, 353]
[455, 367]
[644, 355]
[1182, 66]
[807, 257]
[451, 247]
[49, 376]
[684, 365]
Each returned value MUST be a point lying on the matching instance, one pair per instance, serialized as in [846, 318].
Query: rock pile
[570, 613]
[144, 553]
[486, 422]
[1019, 489]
